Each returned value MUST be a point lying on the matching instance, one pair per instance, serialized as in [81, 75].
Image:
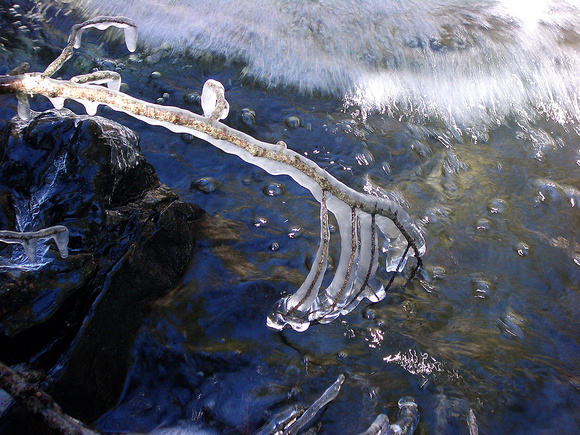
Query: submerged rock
[131, 239]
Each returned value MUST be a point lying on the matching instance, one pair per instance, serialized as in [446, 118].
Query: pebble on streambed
[292, 122]
[205, 184]
[248, 117]
[273, 189]
[522, 249]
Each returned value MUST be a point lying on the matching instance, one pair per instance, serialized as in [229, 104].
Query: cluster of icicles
[375, 232]
[29, 240]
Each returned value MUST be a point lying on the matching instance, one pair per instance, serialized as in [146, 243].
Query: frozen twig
[293, 419]
[100, 23]
[328, 396]
[29, 240]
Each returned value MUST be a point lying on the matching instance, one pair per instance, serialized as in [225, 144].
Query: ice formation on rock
[29, 240]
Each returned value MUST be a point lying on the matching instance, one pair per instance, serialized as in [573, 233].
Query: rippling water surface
[467, 112]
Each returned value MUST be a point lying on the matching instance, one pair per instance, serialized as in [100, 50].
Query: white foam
[466, 62]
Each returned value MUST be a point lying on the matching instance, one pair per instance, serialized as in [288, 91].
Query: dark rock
[131, 239]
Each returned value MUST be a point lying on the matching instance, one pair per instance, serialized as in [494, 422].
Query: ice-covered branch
[29, 240]
[404, 425]
[100, 23]
[374, 231]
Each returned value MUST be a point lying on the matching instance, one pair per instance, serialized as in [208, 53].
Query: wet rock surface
[131, 239]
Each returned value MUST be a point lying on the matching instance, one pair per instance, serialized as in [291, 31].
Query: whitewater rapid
[469, 63]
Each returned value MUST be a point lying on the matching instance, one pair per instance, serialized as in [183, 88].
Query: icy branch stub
[405, 424]
[103, 23]
[29, 240]
[213, 101]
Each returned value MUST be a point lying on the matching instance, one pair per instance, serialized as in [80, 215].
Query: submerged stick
[328, 396]
[405, 424]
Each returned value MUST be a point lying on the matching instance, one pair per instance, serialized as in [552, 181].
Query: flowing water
[467, 111]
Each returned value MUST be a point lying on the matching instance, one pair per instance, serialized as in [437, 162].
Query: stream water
[467, 111]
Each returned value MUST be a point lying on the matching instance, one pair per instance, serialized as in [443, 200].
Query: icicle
[404, 425]
[213, 102]
[61, 237]
[29, 240]
[472, 423]
[336, 294]
[393, 243]
[408, 417]
[294, 310]
[29, 246]
[90, 106]
[114, 84]
[23, 107]
[57, 102]
[78, 39]
[131, 38]
[368, 260]
[381, 426]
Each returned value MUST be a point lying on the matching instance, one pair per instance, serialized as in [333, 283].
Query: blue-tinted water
[490, 168]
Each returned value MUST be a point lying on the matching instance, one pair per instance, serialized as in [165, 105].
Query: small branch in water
[405, 424]
[28, 394]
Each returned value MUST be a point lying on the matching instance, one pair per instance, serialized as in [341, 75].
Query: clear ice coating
[29, 240]
[111, 78]
[90, 106]
[23, 107]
